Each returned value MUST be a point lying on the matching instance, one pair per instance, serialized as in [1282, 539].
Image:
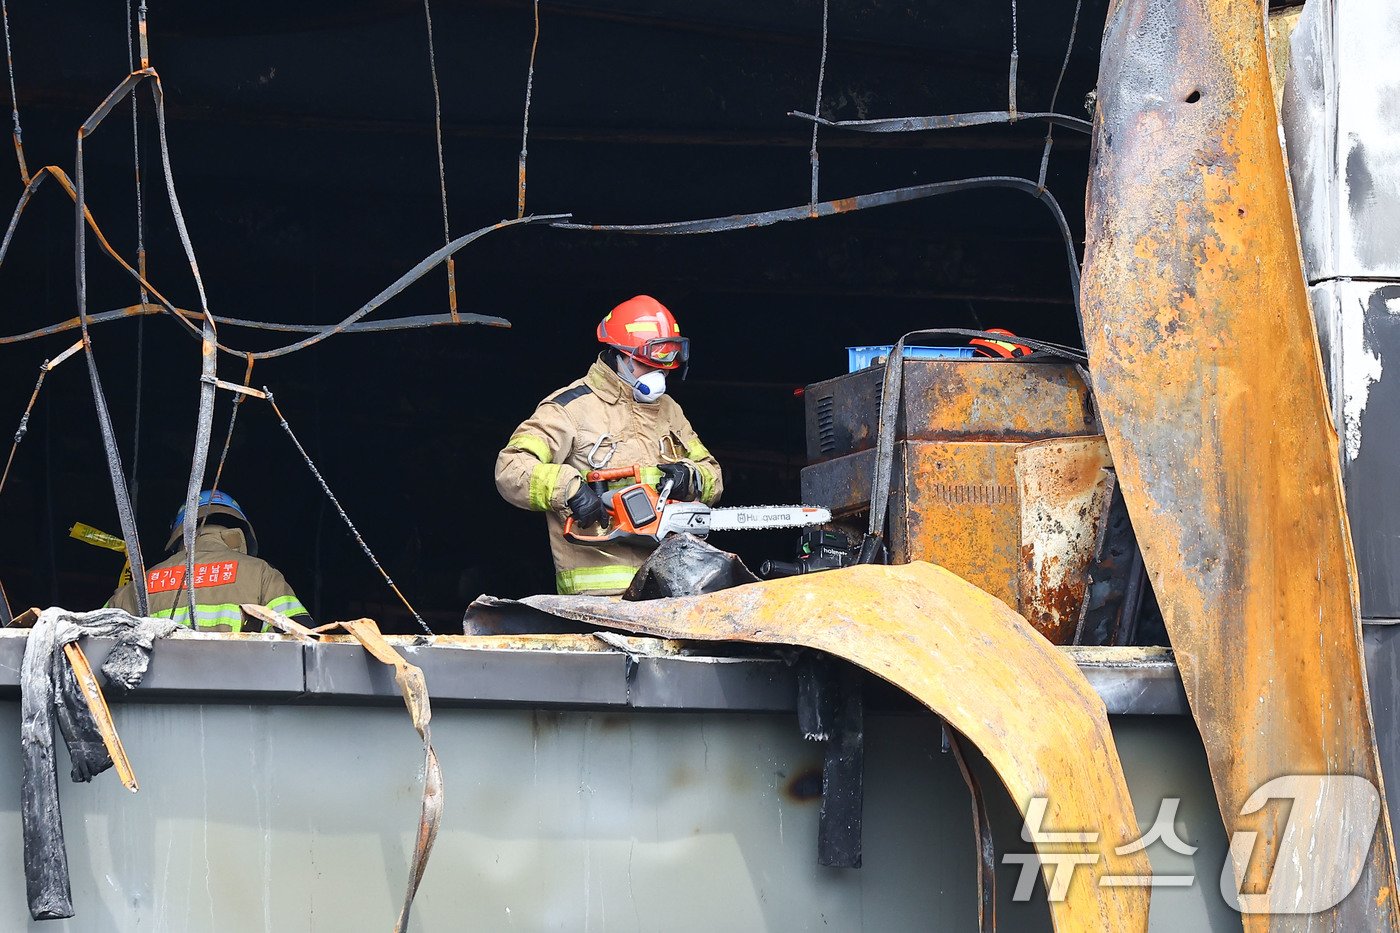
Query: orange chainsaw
[640, 510]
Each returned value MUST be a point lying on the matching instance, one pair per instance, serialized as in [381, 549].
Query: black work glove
[682, 477]
[586, 507]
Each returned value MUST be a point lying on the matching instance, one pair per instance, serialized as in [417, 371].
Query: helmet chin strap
[622, 365]
[646, 388]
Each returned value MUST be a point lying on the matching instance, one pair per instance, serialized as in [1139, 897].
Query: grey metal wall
[1341, 121]
[299, 818]
[1342, 124]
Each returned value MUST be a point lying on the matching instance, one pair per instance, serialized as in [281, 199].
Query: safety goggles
[665, 352]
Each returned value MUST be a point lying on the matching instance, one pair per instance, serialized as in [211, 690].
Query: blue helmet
[214, 502]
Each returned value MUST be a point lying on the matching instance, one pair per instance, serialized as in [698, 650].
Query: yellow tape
[97, 538]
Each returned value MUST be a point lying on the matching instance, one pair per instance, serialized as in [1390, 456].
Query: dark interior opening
[304, 158]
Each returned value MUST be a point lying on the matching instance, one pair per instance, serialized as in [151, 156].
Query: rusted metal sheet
[1064, 490]
[951, 400]
[952, 504]
[1206, 370]
[963, 506]
[970, 659]
[955, 506]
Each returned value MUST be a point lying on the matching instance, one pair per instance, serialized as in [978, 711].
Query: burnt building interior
[304, 153]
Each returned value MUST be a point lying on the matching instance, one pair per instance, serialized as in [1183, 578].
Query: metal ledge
[471, 676]
[272, 669]
[1133, 681]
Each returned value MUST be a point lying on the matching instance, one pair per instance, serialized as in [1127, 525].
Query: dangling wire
[442, 164]
[525, 125]
[355, 532]
[132, 479]
[238, 398]
[23, 428]
[14, 100]
[813, 158]
[1015, 59]
[141, 35]
[1064, 66]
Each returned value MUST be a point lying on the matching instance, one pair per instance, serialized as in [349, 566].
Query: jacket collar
[606, 383]
[217, 536]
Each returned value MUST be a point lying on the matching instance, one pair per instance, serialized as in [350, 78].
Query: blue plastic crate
[859, 358]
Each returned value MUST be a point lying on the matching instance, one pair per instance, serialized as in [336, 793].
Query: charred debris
[981, 524]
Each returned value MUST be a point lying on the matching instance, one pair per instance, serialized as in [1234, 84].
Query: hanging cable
[1015, 59]
[120, 493]
[208, 338]
[353, 323]
[14, 99]
[442, 163]
[141, 35]
[813, 158]
[23, 428]
[355, 532]
[238, 398]
[525, 125]
[239, 394]
[1055, 96]
[132, 477]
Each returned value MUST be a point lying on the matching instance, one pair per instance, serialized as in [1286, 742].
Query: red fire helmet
[645, 330]
[1002, 348]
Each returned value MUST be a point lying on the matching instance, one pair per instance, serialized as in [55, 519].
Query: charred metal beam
[839, 825]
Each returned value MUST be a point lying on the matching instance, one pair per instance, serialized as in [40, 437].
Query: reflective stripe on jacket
[225, 578]
[542, 464]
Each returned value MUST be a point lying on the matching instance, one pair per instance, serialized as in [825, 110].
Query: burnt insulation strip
[319, 332]
[859, 202]
[947, 121]
[1055, 96]
[120, 494]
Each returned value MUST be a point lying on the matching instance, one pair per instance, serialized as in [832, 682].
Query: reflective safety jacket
[225, 578]
[541, 466]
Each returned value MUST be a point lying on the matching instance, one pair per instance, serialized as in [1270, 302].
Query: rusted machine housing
[954, 498]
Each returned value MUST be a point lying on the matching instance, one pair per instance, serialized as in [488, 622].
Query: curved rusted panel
[1205, 364]
[1064, 488]
[971, 659]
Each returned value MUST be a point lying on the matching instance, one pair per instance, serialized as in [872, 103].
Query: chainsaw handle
[571, 533]
[620, 516]
[608, 475]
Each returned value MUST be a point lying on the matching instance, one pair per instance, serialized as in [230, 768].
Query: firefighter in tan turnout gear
[616, 416]
[227, 574]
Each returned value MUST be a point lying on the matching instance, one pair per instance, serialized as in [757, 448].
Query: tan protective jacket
[225, 578]
[541, 466]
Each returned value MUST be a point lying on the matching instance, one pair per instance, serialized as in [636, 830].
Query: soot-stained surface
[305, 161]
